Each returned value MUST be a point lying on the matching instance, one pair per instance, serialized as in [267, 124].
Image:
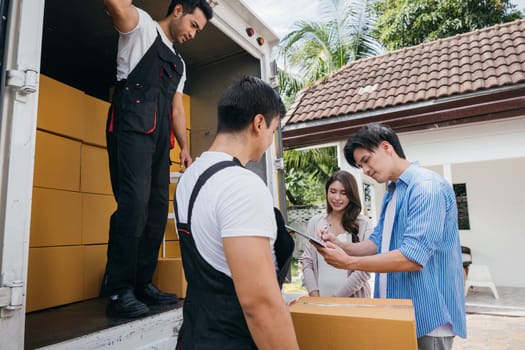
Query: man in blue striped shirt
[415, 247]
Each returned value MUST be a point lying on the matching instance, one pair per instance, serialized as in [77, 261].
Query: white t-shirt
[331, 278]
[234, 202]
[388, 225]
[133, 45]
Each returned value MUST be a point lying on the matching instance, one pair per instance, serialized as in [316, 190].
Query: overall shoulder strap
[202, 180]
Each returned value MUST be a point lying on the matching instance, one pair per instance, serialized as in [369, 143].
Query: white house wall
[495, 203]
[487, 141]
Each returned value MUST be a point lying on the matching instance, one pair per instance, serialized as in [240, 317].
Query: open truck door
[59, 62]
[21, 40]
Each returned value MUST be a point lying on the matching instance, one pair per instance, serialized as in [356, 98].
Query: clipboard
[314, 240]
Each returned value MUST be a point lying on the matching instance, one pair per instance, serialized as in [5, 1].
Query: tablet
[312, 239]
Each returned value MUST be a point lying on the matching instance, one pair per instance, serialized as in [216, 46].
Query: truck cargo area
[84, 325]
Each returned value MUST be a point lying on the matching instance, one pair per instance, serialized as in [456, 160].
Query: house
[458, 105]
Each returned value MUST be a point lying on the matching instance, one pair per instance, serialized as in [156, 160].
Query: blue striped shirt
[426, 232]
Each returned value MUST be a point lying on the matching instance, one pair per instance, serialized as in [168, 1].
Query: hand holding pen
[328, 236]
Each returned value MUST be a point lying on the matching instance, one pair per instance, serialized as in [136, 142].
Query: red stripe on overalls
[172, 130]
[111, 120]
[154, 123]
[184, 231]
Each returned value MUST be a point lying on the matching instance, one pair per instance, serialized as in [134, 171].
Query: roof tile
[486, 58]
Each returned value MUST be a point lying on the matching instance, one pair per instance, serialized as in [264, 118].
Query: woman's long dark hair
[352, 210]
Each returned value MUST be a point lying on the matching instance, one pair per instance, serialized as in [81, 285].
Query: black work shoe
[151, 295]
[126, 305]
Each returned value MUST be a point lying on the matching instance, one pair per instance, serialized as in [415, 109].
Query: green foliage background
[403, 23]
[306, 174]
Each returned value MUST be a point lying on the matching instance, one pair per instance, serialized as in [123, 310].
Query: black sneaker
[151, 295]
[126, 305]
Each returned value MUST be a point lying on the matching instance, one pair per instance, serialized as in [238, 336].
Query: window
[461, 200]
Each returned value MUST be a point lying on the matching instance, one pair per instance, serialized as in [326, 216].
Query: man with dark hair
[415, 246]
[145, 117]
[227, 231]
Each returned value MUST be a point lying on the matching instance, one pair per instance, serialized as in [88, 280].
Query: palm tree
[319, 163]
[289, 85]
[314, 50]
[342, 34]
[307, 171]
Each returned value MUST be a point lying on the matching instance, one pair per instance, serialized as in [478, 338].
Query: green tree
[342, 34]
[403, 23]
[313, 50]
[289, 85]
[307, 172]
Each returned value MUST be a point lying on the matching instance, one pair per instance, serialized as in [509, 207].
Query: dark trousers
[434, 343]
[139, 168]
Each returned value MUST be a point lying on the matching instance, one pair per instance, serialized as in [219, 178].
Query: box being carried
[354, 323]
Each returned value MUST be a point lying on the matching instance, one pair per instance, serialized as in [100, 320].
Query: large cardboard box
[55, 218]
[57, 104]
[354, 323]
[93, 121]
[95, 170]
[94, 265]
[96, 212]
[171, 230]
[55, 277]
[169, 276]
[170, 249]
[61, 108]
[57, 162]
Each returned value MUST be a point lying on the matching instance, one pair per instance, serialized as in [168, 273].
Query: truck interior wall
[207, 85]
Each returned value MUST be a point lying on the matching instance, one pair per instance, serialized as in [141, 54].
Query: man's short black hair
[370, 137]
[189, 6]
[243, 100]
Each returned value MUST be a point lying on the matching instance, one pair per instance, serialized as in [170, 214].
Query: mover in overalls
[145, 117]
[227, 230]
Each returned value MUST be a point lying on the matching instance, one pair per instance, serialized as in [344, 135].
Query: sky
[519, 3]
[280, 15]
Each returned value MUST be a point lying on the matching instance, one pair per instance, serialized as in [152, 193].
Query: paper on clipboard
[314, 240]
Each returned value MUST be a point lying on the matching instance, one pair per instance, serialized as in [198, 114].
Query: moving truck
[58, 69]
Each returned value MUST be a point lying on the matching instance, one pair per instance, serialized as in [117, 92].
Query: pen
[325, 229]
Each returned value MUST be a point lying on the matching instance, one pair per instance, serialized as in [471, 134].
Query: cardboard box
[169, 276]
[55, 218]
[96, 211]
[55, 277]
[94, 177]
[171, 229]
[171, 249]
[57, 162]
[95, 257]
[173, 188]
[60, 108]
[93, 121]
[58, 102]
[354, 323]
